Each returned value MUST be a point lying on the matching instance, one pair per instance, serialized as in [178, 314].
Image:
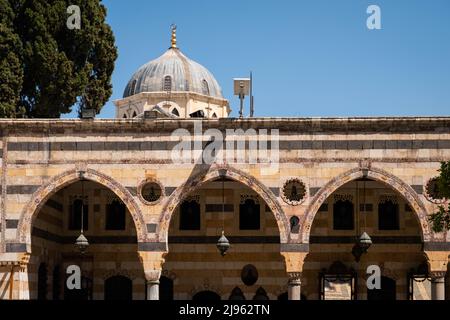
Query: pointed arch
[376, 174]
[210, 174]
[40, 197]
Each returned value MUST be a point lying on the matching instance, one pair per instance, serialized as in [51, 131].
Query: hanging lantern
[82, 243]
[364, 242]
[223, 244]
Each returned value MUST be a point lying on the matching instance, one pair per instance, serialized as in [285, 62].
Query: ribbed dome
[174, 72]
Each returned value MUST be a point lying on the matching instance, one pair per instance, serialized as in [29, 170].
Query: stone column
[437, 265]
[437, 285]
[152, 263]
[294, 286]
[294, 267]
[153, 289]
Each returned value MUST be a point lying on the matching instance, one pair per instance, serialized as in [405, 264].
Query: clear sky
[309, 58]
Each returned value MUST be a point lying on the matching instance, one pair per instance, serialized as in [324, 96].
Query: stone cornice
[285, 125]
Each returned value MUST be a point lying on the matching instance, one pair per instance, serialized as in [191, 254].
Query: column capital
[152, 262]
[294, 278]
[437, 260]
[438, 276]
[294, 261]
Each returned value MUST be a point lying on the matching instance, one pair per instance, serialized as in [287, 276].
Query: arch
[376, 174]
[212, 173]
[44, 192]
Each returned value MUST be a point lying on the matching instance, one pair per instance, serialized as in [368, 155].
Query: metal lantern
[364, 241]
[223, 244]
[82, 243]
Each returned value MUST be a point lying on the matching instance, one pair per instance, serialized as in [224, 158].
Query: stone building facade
[296, 218]
[47, 165]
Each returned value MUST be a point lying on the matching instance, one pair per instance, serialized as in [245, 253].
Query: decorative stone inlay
[150, 191]
[388, 198]
[342, 197]
[293, 191]
[376, 174]
[245, 197]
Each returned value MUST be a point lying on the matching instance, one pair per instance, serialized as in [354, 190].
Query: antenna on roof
[241, 89]
[252, 109]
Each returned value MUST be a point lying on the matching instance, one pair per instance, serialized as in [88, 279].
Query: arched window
[249, 215]
[56, 283]
[175, 112]
[118, 288]
[42, 282]
[133, 87]
[343, 215]
[295, 224]
[190, 215]
[115, 215]
[236, 294]
[75, 210]
[206, 296]
[214, 115]
[124, 116]
[205, 87]
[387, 290]
[165, 288]
[388, 216]
[261, 294]
[134, 114]
[167, 83]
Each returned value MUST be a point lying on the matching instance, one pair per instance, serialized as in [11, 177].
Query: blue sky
[309, 58]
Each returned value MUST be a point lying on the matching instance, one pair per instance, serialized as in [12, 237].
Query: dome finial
[173, 27]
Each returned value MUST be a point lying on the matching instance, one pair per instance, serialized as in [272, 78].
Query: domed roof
[174, 72]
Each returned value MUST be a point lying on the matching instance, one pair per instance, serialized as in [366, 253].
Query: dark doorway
[42, 282]
[118, 288]
[165, 288]
[387, 291]
[206, 296]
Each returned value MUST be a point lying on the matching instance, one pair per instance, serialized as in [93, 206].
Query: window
[205, 87]
[214, 115]
[118, 288]
[133, 87]
[165, 288]
[42, 282]
[124, 116]
[75, 210]
[190, 215]
[295, 224]
[388, 217]
[249, 215]
[134, 114]
[343, 215]
[167, 84]
[115, 215]
[175, 112]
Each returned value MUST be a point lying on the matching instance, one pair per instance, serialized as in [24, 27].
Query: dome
[173, 72]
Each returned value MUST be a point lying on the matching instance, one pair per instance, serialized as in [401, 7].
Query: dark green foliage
[61, 67]
[440, 220]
